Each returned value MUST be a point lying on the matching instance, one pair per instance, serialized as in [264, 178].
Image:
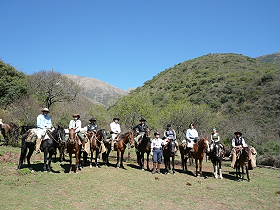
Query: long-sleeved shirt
[215, 137]
[141, 127]
[191, 134]
[238, 142]
[170, 134]
[76, 124]
[92, 127]
[44, 121]
[115, 127]
[157, 143]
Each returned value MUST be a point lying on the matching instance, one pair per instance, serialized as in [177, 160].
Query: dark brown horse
[199, 149]
[144, 146]
[185, 155]
[216, 156]
[169, 151]
[242, 160]
[74, 147]
[119, 146]
[95, 140]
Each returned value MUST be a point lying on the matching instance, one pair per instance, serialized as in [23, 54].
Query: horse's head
[72, 135]
[60, 133]
[131, 136]
[203, 143]
[101, 135]
[244, 154]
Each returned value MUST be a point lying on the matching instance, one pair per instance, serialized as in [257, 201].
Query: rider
[156, 148]
[44, 122]
[115, 130]
[141, 129]
[191, 136]
[237, 143]
[92, 126]
[77, 125]
[215, 138]
[170, 134]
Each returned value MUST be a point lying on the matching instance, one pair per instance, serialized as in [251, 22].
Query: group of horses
[56, 141]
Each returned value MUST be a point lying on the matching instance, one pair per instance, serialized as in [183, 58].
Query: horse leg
[200, 166]
[182, 162]
[122, 159]
[78, 160]
[215, 169]
[30, 152]
[45, 159]
[142, 160]
[247, 172]
[91, 158]
[242, 168]
[173, 164]
[148, 167]
[118, 159]
[70, 156]
[196, 167]
[96, 156]
[22, 155]
[220, 170]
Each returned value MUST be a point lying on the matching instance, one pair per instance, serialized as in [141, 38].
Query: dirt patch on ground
[9, 157]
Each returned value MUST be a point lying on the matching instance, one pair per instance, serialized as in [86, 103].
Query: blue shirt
[44, 121]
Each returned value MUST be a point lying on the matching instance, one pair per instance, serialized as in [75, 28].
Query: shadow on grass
[39, 167]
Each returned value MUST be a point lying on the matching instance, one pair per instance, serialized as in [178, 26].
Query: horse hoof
[90, 166]
[143, 169]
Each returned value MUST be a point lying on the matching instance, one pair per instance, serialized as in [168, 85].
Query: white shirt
[44, 121]
[115, 127]
[191, 134]
[77, 125]
[242, 141]
[157, 143]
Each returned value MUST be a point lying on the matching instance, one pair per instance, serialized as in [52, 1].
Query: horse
[10, 131]
[119, 146]
[95, 140]
[216, 156]
[48, 146]
[242, 160]
[199, 149]
[169, 151]
[74, 147]
[144, 146]
[185, 156]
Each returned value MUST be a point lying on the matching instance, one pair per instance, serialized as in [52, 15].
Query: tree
[13, 84]
[52, 87]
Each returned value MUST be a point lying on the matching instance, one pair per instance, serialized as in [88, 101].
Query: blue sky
[126, 42]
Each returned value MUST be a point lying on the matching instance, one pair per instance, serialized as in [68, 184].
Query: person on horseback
[237, 143]
[156, 148]
[191, 136]
[92, 126]
[115, 130]
[77, 125]
[170, 134]
[141, 129]
[215, 138]
[44, 122]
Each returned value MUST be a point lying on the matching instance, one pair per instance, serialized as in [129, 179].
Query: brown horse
[10, 132]
[95, 140]
[185, 155]
[74, 147]
[199, 149]
[242, 160]
[119, 146]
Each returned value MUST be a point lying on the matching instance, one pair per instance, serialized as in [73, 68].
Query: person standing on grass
[156, 148]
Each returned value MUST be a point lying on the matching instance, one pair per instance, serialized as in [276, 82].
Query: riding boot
[38, 145]
[158, 168]
[83, 145]
[154, 168]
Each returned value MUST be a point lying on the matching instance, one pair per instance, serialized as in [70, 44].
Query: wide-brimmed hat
[76, 115]
[237, 132]
[116, 118]
[45, 110]
[92, 119]
[142, 120]
[156, 133]
[168, 125]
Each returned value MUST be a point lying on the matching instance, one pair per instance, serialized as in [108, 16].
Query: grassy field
[111, 188]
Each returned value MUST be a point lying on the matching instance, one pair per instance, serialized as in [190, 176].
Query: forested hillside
[228, 91]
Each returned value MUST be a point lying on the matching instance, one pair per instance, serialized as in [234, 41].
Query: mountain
[98, 91]
[272, 58]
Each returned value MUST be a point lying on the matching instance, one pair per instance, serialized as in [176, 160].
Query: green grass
[111, 188]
